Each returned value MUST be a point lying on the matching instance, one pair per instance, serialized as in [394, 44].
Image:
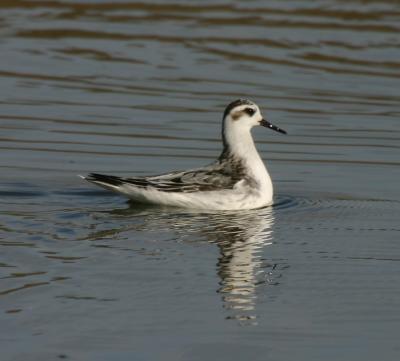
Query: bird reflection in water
[240, 236]
[241, 267]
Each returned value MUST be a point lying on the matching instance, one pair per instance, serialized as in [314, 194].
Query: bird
[237, 180]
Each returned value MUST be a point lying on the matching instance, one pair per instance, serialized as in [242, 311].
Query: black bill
[267, 124]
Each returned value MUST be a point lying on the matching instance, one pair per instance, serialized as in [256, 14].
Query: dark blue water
[139, 88]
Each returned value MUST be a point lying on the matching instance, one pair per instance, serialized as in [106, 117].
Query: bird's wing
[211, 178]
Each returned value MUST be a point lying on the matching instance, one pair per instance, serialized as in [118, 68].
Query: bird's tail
[133, 188]
[106, 181]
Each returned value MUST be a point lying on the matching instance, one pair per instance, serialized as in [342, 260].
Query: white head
[242, 115]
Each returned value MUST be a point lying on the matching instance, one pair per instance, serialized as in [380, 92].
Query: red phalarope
[237, 180]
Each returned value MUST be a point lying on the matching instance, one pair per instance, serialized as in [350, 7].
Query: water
[139, 88]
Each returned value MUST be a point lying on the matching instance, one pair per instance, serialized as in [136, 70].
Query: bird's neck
[239, 144]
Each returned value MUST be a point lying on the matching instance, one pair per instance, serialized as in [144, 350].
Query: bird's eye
[250, 111]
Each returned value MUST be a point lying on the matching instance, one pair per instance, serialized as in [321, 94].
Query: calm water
[139, 88]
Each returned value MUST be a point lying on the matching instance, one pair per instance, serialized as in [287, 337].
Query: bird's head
[245, 114]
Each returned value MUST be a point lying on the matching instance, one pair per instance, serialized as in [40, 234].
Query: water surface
[139, 88]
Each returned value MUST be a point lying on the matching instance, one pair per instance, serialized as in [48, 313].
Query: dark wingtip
[103, 178]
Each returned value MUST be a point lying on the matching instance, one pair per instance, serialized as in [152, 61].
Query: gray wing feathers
[211, 178]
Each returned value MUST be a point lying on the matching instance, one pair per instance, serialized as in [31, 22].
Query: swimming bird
[237, 180]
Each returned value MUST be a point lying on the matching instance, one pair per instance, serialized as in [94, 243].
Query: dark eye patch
[250, 111]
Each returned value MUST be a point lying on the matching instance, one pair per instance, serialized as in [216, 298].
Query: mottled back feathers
[223, 174]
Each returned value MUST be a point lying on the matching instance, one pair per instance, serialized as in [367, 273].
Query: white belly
[230, 199]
